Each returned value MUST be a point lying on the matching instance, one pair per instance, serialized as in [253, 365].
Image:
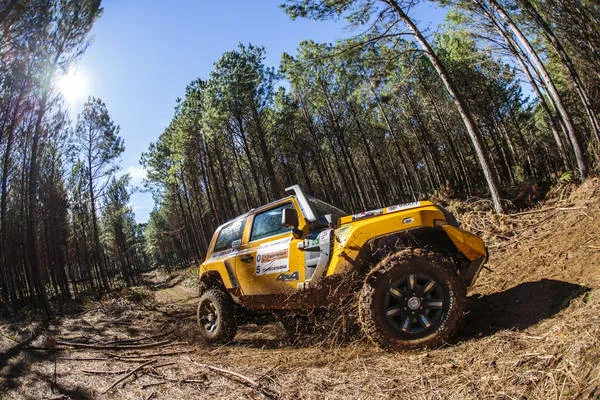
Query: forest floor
[532, 331]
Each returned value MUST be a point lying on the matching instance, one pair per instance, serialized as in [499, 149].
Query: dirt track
[533, 331]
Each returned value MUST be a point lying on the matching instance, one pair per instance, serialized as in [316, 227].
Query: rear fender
[211, 279]
[219, 271]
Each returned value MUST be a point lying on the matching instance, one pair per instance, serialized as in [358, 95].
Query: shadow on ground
[519, 307]
[12, 364]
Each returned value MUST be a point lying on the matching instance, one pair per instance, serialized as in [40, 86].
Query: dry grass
[532, 332]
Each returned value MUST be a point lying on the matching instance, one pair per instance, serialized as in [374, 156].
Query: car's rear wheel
[215, 316]
[413, 298]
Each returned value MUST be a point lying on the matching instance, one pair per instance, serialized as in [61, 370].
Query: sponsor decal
[367, 214]
[294, 276]
[400, 207]
[221, 253]
[323, 235]
[273, 257]
[320, 238]
[408, 220]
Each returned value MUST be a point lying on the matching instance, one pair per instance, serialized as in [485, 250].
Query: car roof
[254, 211]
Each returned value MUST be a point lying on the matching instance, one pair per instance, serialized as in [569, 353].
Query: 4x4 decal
[294, 276]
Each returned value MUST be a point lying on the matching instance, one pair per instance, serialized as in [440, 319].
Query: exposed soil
[532, 331]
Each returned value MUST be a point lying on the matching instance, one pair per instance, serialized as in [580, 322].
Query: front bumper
[471, 273]
[472, 247]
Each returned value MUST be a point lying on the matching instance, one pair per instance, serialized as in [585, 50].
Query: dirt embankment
[532, 331]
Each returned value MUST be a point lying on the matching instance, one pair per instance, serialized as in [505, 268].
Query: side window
[229, 233]
[268, 223]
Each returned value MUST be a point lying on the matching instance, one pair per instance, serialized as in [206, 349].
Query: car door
[269, 262]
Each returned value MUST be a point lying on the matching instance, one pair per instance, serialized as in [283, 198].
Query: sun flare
[73, 86]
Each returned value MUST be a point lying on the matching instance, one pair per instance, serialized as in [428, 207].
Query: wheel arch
[428, 238]
[372, 313]
[211, 279]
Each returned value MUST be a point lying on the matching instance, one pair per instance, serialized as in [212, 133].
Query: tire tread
[367, 309]
[228, 325]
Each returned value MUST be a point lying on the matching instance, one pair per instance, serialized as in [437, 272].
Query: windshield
[321, 209]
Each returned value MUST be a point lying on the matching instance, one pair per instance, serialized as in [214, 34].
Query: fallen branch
[547, 209]
[106, 347]
[244, 379]
[532, 211]
[117, 342]
[96, 372]
[151, 395]
[115, 383]
[110, 357]
[168, 353]
[153, 384]
[37, 348]
[157, 376]
[226, 372]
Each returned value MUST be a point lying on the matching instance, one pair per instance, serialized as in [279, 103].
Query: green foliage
[40, 213]
[363, 123]
[566, 178]
[97, 142]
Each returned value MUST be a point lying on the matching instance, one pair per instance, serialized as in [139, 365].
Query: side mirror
[236, 244]
[289, 217]
[329, 219]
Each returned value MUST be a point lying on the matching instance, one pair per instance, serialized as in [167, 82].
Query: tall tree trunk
[33, 256]
[513, 47]
[381, 189]
[579, 156]
[347, 157]
[568, 63]
[14, 121]
[276, 190]
[95, 231]
[392, 133]
[253, 170]
[458, 101]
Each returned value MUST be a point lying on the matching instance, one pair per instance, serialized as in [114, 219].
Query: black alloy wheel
[412, 298]
[215, 316]
[414, 305]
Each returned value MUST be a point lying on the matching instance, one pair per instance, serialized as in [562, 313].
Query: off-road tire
[392, 332]
[223, 326]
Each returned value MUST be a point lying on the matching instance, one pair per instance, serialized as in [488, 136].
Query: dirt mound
[560, 240]
[532, 331]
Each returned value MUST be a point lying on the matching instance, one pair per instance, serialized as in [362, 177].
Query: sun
[73, 86]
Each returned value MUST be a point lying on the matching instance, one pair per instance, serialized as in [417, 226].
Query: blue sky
[144, 53]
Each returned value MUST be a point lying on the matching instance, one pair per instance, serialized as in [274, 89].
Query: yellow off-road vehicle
[413, 261]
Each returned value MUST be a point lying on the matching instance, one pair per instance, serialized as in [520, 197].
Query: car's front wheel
[413, 298]
[215, 316]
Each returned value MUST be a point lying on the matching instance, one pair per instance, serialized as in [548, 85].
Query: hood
[381, 211]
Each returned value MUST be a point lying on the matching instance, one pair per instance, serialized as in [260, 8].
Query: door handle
[246, 258]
